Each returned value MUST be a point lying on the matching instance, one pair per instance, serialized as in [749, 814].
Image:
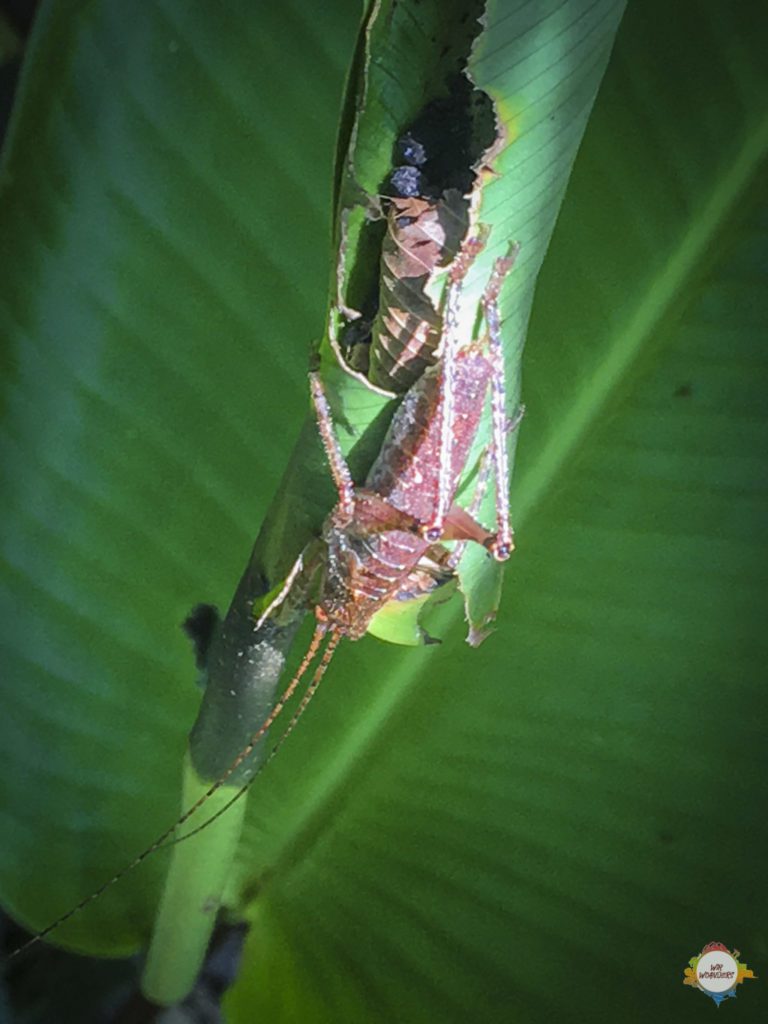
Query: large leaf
[520, 846]
[242, 662]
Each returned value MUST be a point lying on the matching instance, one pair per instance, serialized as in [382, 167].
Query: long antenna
[317, 637]
[309, 694]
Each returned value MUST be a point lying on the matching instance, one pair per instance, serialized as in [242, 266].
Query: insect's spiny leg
[447, 386]
[276, 601]
[447, 382]
[308, 695]
[473, 508]
[339, 468]
[317, 637]
[504, 542]
[503, 545]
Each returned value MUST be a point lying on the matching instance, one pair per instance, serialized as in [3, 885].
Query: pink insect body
[367, 568]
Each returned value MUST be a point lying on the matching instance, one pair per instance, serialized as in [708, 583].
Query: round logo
[717, 971]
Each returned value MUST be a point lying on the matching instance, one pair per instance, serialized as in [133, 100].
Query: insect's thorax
[368, 556]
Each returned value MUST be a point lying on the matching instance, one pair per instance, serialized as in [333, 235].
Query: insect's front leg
[342, 477]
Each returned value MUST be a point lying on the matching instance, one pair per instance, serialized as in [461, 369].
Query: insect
[382, 542]
[380, 539]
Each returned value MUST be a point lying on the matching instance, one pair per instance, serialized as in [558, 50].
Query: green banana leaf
[547, 827]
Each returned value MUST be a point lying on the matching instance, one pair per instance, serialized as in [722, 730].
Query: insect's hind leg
[449, 347]
[483, 476]
[503, 545]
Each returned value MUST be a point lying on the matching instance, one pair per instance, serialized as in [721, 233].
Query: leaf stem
[196, 878]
